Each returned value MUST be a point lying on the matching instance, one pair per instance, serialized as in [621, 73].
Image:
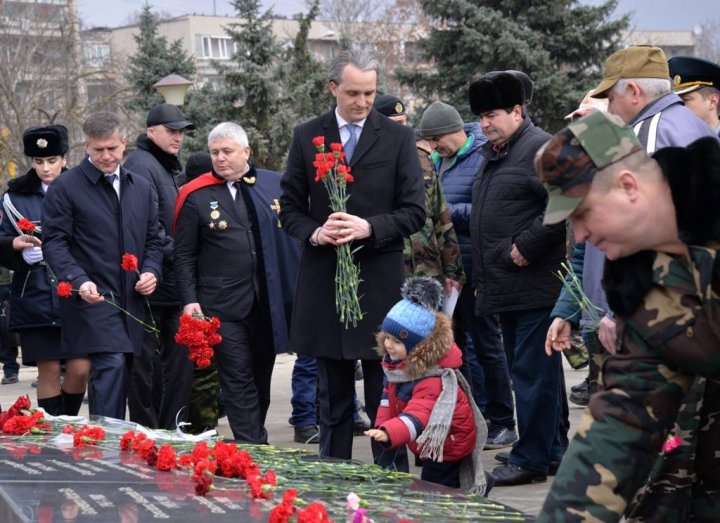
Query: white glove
[32, 255]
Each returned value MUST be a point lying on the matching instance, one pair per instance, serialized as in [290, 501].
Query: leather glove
[32, 255]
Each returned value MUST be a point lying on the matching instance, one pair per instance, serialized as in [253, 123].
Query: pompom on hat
[43, 142]
[413, 318]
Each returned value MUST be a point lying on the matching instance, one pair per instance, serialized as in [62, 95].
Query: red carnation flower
[64, 289]
[129, 262]
[166, 458]
[319, 142]
[26, 225]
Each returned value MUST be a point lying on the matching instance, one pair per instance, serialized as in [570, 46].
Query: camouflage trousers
[684, 484]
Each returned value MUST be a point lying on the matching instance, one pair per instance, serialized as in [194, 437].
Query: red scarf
[204, 180]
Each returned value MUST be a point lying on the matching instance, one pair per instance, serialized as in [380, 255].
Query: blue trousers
[537, 380]
[8, 351]
[484, 344]
[108, 384]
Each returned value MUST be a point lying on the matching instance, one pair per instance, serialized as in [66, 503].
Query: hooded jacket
[405, 407]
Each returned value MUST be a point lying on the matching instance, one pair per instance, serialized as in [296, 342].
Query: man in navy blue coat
[93, 214]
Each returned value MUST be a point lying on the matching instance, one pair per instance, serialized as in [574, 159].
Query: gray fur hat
[439, 119]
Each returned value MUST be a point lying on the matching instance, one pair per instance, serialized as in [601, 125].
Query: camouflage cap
[568, 162]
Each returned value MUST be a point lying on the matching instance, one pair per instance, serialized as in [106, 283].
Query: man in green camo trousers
[658, 222]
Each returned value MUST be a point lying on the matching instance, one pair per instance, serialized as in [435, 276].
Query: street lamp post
[173, 88]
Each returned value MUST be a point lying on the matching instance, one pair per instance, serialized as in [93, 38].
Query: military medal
[214, 215]
[222, 224]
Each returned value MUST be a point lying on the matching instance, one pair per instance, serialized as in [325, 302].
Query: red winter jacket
[405, 411]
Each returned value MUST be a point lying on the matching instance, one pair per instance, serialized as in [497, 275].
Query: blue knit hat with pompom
[412, 319]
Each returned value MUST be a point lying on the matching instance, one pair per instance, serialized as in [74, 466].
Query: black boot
[53, 406]
[73, 402]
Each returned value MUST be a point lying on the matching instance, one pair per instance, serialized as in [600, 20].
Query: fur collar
[428, 351]
[693, 173]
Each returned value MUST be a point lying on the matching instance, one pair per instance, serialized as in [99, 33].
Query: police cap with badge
[43, 142]
[389, 105]
[690, 74]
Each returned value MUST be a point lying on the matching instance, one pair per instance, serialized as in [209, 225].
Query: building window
[217, 47]
[96, 54]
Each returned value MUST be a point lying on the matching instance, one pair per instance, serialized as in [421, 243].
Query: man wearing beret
[514, 258]
[636, 82]
[658, 222]
[157, 405]
[697, 81]
[457, 155]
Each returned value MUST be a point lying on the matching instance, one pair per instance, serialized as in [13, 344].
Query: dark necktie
[240, 204]
[111, 180]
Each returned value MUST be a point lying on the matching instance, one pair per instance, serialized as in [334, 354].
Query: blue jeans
[537, 381]
[304, 393]
[485, 349]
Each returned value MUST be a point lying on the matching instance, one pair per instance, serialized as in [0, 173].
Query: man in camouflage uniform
[658, 223]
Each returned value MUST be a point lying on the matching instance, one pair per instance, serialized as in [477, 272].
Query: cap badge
[42, 143]
[403, 334]
[677, 80]
[398, 108]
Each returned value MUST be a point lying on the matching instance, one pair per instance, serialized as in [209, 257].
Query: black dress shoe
[309, 434]
[581, 387]
[504, 457]
[509, 474]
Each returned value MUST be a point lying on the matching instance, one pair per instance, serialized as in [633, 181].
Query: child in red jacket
[426, 402]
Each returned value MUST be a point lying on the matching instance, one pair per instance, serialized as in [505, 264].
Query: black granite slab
[42, 483]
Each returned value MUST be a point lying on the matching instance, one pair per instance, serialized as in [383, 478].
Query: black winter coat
[388, 192]
[508, 204]
[160, 168]
[33, 300]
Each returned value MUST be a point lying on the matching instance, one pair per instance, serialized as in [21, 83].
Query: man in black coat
[386, 205]
[160, 402]
[514, 258]
[92, 215]
[233, 261]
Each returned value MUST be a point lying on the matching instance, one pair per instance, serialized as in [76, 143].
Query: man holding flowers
[93, 214]
[233, 262]
[384, 205]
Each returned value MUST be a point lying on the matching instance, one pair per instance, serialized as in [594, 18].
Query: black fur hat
[496, 90]
[41, 142]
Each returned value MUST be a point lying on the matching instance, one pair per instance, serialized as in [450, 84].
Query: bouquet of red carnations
[199, 334]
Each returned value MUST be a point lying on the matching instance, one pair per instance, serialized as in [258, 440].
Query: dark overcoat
[388, 192]
[86, 231]
[33, 300]
[212, 256]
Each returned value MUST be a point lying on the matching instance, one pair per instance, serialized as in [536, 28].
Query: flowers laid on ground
[283, 483]
[20, 419]
[331, 169]
[26, 226]
[199, 334]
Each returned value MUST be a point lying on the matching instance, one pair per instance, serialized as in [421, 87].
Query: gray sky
[647, 14]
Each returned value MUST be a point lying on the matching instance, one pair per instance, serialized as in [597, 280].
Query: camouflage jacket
[433, 251]
[666, 342]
